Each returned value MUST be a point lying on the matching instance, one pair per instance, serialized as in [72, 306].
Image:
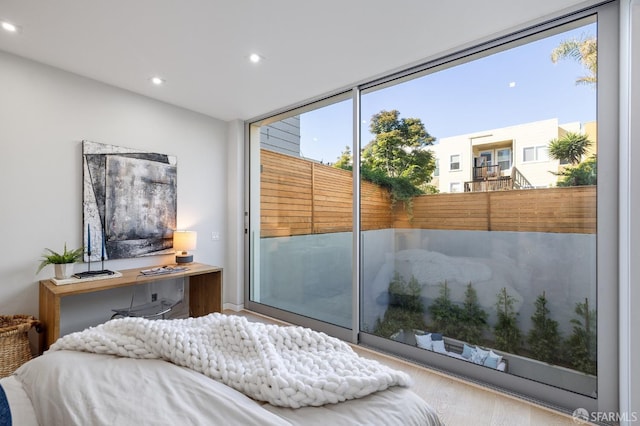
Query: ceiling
[201, 47]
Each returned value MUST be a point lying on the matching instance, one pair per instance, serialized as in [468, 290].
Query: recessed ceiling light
[157, 81]
[255, 58]
[8, 26]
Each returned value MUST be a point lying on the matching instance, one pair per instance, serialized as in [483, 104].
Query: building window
[454, 163]
[436, 172]
[535, 153]
[504, 159]
[455, 187]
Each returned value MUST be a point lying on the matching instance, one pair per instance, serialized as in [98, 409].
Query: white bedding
[75, 388]
[21, 412]
[285, 366]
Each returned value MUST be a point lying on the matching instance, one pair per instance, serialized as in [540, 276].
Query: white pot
[63, 270]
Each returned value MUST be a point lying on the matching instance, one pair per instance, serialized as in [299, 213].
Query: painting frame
[129, 202]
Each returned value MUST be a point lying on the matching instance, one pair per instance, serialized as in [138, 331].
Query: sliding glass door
[491, 265]
[301, 213]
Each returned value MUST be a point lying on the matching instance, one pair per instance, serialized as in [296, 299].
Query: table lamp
[183, 241]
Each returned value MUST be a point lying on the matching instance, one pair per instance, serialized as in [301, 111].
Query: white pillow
[438, 346]
[424, 341]
[468, 351]
[492, 360]
[479, 356]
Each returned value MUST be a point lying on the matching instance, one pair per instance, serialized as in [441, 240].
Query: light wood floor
[458, 402]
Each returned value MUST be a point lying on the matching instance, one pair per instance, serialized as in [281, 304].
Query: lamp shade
[184, 240]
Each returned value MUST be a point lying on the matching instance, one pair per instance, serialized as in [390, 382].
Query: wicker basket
[14, 342]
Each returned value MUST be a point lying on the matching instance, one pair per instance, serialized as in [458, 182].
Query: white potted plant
[62, 262]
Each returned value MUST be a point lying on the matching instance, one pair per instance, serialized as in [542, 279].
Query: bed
[141, 376]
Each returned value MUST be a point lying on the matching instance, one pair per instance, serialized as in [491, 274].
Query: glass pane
[501, 276]
[486, 158]
[455, 162]
[504, 159]
[301, 215]
[541, 153]
[528, 154]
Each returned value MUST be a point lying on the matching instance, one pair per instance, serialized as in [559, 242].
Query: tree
[582, 343]
[345, 161]
[571, 147]
[399, 148]
[396, 159]
[445, 315]
[585, 173]
[473, 319]
[585, 50]
[506, 331]
[544, 337]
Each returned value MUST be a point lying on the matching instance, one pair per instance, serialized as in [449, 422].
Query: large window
[497, 266]
[502, 287]
[301, 215]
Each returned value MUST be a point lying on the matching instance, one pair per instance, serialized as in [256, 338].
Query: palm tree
[585, 50]
[570, 147]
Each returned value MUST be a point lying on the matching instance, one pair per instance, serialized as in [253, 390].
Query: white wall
[45, 113]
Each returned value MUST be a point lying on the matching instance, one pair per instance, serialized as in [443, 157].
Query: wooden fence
[558, 210]
[300, 197]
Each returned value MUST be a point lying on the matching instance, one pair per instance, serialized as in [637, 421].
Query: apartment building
[513, 157]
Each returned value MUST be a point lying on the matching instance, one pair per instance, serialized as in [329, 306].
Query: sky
[515, 86]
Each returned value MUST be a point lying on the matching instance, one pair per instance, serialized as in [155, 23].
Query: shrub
[405, 310]
[507, 334]
[544, 338]
[445, 315]
[581, 346]
[473, 319]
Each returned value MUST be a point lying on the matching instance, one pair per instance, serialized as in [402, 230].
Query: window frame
[459, 163]
[536, 149]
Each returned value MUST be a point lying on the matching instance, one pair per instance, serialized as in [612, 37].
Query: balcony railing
[489, 178]
[500, 183]
[486, 172]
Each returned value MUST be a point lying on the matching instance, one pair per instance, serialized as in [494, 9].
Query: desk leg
[205, 294]
[49, 318]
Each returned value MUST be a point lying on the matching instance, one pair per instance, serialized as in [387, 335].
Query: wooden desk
[205, 294]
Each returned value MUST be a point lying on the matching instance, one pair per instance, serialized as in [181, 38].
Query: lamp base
[184, 258]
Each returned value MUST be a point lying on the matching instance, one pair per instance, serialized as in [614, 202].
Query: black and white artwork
[129, 202]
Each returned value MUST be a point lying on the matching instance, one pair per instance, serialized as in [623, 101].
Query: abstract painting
[129, 202]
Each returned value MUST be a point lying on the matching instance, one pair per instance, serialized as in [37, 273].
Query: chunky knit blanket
[284, 366]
